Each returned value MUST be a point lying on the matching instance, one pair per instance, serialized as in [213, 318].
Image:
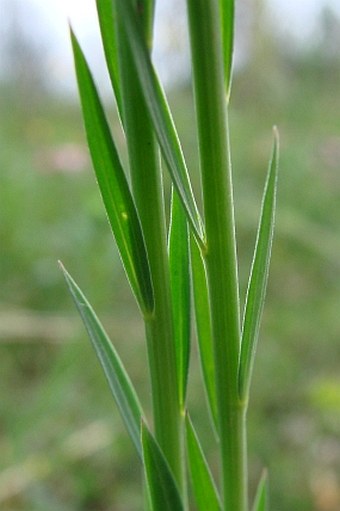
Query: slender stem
[221, 260]
[147, 186]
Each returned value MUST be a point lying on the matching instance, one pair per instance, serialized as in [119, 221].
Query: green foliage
[161, 486]
[114, 188]
[180, 291]
[52, 390]
[203, 326]
[261, 497]
[159, 113]
[160, 278]
[258, 277]
[106, 16]
[118, 380]
[204, 488]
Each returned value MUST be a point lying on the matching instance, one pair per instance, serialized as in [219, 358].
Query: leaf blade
[162, 487]
[146, 12]
[160, 115]
[258, 278]
[204, 489]
[261, 497]
[118, 201]
[180, 290]
[107, 22]
[116, 375]
[106, 16]
[203, 328]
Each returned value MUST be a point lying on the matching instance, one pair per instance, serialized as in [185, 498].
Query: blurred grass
[62, 443]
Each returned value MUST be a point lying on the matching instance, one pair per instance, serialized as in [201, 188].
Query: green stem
[147, 186]
[221, 259]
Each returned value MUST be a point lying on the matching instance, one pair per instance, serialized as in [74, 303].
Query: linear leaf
[159, 113]
[145, 10]
[261, 497]
[180, 290]
[258, 275]
[162, 486]
[106, 17]
[204, 489]
[119, 204]
[118, 379]
[227, 9]
[203, 327]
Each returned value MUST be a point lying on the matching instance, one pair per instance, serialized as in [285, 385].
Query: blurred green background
[62, 443]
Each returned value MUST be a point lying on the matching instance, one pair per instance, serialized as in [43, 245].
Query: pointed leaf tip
[258, 278]
[116, 375]
[113, 185]
[261, 497]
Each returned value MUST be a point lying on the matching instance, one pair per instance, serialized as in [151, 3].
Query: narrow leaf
[162, 486]
[145, 10]
[258, 275]
[261, 497]
[180, 290]
[227, 8]
[203, 327]
[106, 17]
[159, 113]
[118, 379]
[204, 489]
[119, 204]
